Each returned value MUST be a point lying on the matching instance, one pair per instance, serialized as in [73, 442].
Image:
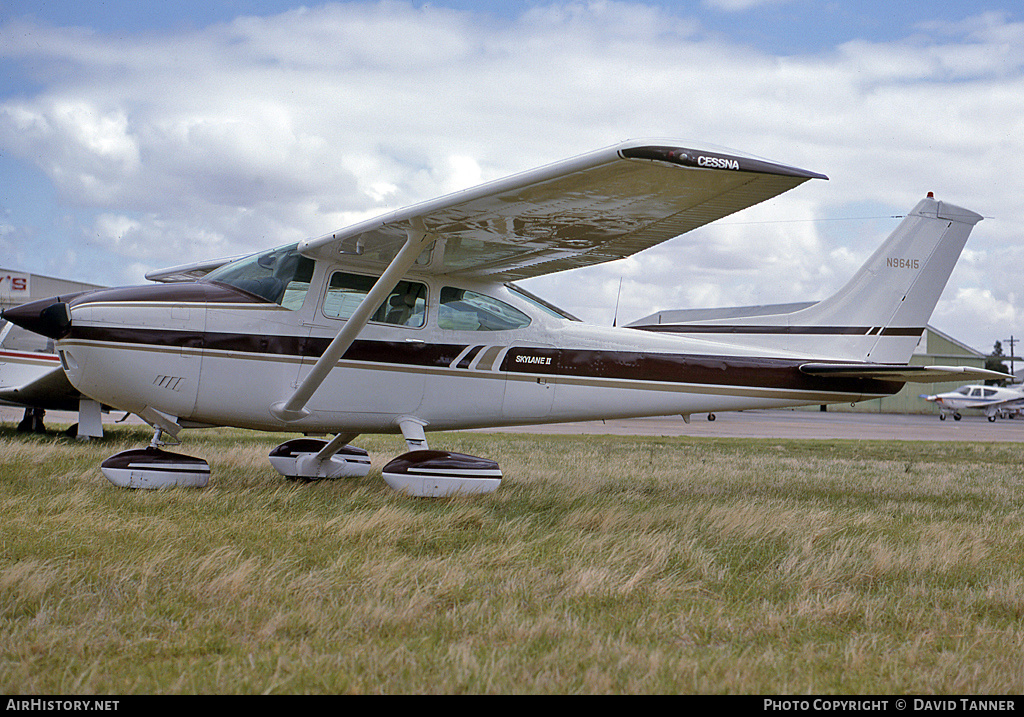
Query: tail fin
[878, 317]
[893, 295]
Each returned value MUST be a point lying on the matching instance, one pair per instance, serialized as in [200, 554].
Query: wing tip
[694, 158]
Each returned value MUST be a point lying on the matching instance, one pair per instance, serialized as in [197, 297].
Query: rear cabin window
[464, 310]
[405, 306]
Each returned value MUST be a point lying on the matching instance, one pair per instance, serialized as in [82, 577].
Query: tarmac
[818, 425]
[799, 424]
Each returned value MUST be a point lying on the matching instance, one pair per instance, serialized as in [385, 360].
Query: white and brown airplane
[993, 401]
[411, 323]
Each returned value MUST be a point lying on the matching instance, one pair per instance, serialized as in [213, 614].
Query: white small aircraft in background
[410, 323]
[32, 378]
[993, 401]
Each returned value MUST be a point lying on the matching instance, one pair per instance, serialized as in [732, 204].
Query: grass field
[601, 565]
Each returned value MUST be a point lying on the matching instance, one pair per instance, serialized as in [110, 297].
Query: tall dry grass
[601, 565]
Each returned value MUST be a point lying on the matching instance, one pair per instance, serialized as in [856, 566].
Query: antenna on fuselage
[615, 316]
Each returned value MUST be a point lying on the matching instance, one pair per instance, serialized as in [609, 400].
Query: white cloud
[251, 133]
[989, 315]
[741, 5]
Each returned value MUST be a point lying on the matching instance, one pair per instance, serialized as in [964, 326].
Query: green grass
[601, 565]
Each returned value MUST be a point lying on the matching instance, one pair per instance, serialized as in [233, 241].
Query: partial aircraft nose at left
[48, 317]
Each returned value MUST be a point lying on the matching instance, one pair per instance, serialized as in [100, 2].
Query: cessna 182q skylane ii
[410, 323]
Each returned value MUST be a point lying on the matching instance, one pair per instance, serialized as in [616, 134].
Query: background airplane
[993, 401]
[32, 378]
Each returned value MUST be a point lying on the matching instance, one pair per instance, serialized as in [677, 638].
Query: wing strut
[294, 408]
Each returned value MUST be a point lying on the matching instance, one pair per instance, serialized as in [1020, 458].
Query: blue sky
[134, 136]
[777, 26]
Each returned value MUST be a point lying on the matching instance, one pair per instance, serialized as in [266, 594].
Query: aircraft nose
[48, 317]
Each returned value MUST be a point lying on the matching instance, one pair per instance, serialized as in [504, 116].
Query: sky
[135, 136]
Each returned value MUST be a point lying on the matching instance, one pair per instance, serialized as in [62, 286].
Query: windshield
[281, 276]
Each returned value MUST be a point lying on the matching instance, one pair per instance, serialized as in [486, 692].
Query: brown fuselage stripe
[782, 330]
[549, 362]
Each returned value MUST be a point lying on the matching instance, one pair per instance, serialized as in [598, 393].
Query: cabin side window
[464, 310]
[406, 305]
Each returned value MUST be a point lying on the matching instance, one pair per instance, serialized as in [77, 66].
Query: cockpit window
[281, 276]
[464, 310]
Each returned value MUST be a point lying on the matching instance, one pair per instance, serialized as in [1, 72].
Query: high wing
[594, 208]
[907, 374]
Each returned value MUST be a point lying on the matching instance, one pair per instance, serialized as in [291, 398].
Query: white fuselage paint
[462, 380]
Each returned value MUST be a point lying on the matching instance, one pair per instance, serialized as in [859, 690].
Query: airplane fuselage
[211, 354]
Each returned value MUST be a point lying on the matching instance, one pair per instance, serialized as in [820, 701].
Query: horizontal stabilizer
[904, 373]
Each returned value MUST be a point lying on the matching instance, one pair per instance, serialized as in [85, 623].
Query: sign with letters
[14, 286]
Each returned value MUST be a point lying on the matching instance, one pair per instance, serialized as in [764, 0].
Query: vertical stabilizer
[878, 317]
[891, 298]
